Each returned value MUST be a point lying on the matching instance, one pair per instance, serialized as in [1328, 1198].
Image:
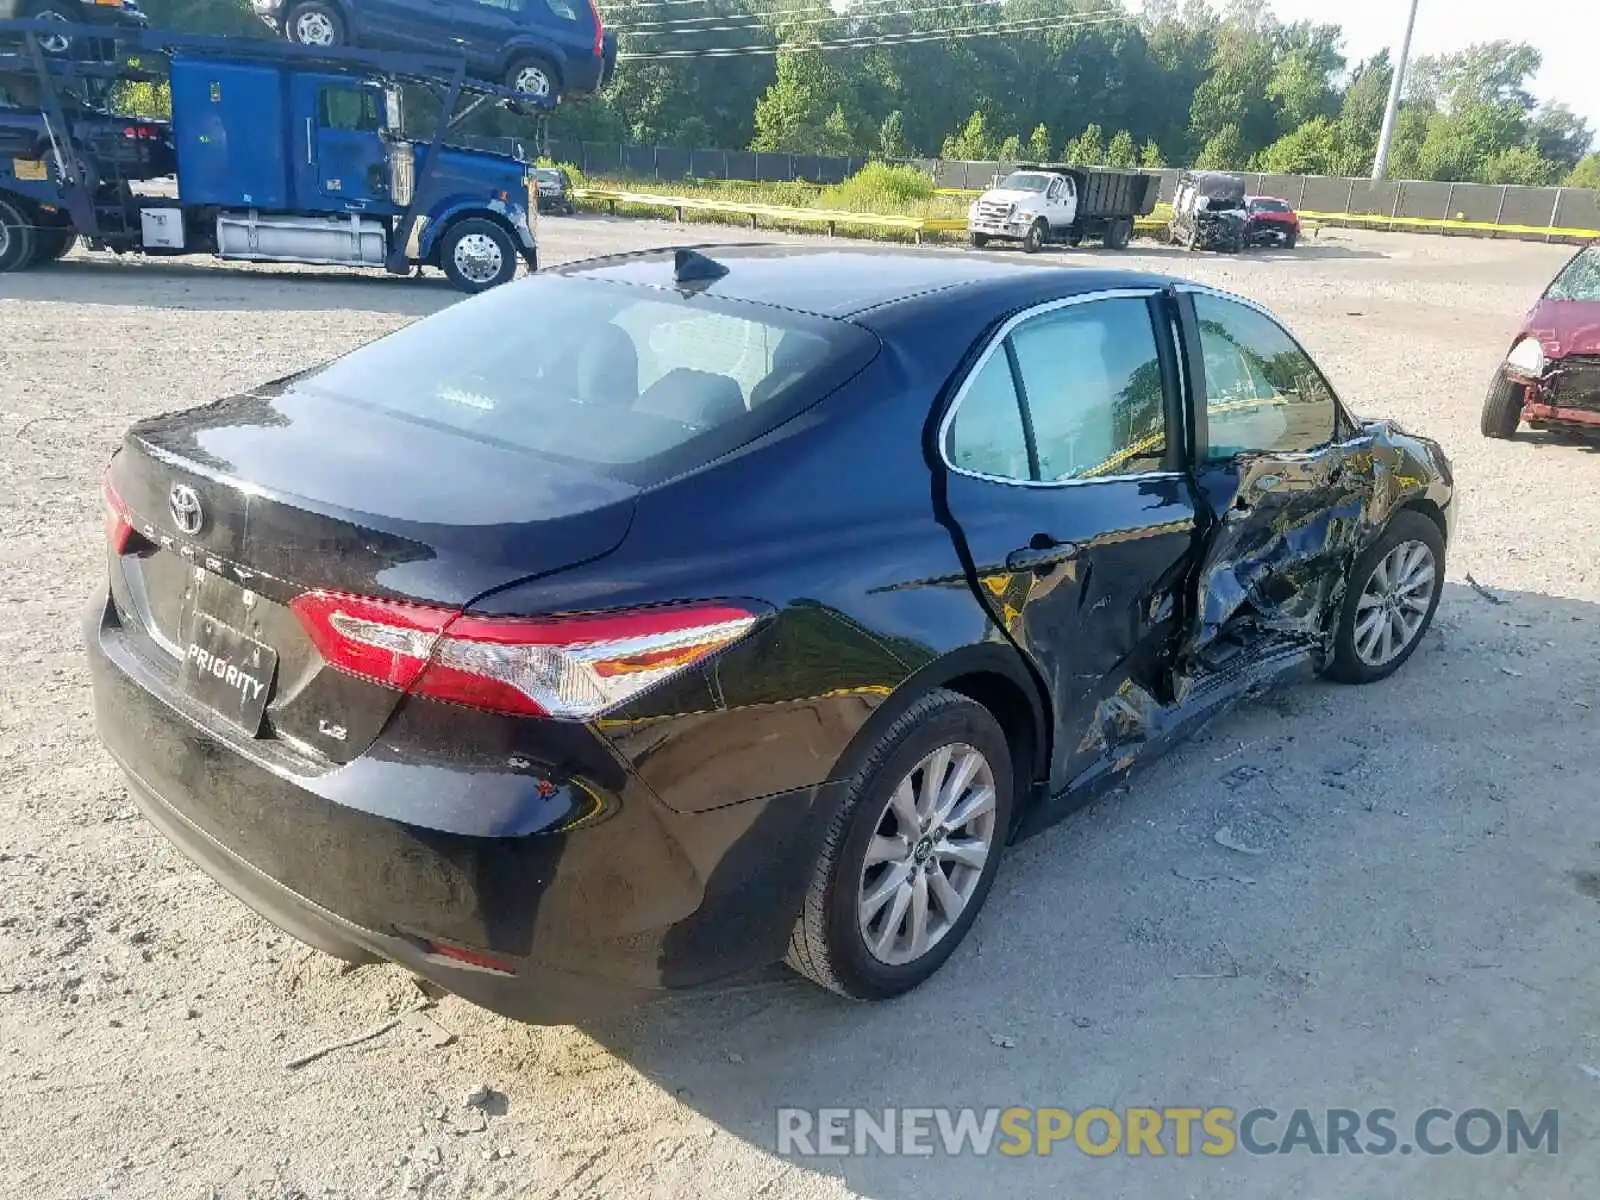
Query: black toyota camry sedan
[667, 615]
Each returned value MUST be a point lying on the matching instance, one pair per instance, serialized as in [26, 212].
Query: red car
[1270, 222]
[1551, 375]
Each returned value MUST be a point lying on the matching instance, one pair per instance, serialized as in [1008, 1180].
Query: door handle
[1042, 559]
[311, 151]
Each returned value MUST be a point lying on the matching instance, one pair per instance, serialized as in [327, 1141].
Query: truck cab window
[355, 109]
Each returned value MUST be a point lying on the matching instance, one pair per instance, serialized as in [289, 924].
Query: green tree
[1151, 157]
[1586, 174]
[1039, 144]
[1223, 151]
[1122, 152]
[1087, 148]
[971, 143]
[1520, 165]
[806, 110]
[1560, 135]
[892, 136]
[1312, 149]
[1010, 150]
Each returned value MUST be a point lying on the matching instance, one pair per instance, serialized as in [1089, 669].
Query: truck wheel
[534, 75]
[980, 240]
[478, 254]
[16, 238]
[1502, 407]
[53, 245]
[1075, 236]
[1033, 241]
[315, 23]
[1118, 234]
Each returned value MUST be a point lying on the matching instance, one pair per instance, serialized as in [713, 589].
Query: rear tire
[865, 852]
[17, 237]
[50, 245]
[1360, 659]
[315, 23]
[1119, 234]
[536, 76]
[1502, 408]
[1033, 241]
[478, 254]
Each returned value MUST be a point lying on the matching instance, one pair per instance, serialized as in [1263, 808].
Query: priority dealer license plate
[228, 672]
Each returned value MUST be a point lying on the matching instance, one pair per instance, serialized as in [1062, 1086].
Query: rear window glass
[1581, 278]
[636, 381]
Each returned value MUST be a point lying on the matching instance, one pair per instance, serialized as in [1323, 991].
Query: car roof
[847, 281]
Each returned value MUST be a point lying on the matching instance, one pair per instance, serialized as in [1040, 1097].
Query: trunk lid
[298, 492]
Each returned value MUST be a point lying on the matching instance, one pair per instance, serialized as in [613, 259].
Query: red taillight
[140, 133]
[471, 958]
[572, 667]
[119, 527]
[599, 30]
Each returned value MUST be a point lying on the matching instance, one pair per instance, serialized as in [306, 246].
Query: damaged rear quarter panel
[1278, 562]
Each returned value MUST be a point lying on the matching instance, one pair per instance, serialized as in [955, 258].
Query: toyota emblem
[184, 503]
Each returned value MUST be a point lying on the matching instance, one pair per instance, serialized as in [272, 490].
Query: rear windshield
[637, 382]
[1581, 278]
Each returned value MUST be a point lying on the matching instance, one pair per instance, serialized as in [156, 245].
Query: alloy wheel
[927, 854]
[533, 81]
[313, 28]
[478, 258]
[1395, 603]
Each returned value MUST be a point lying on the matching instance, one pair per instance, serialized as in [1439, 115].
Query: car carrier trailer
[284, 153]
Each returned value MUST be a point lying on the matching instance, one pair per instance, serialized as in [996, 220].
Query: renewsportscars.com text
[1159, 1132]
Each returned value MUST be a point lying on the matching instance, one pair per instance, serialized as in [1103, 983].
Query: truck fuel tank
[344, 240]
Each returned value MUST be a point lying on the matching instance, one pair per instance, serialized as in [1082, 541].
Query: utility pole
[1380, 165]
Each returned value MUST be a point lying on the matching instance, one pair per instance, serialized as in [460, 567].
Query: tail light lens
[599, 30]
[573, 667]
[119, 527]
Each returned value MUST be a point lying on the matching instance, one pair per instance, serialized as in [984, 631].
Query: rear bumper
[594, 915]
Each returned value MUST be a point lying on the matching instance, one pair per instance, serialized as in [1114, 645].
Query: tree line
[1181, 82]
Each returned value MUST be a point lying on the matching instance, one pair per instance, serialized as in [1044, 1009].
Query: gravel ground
[1418, 928]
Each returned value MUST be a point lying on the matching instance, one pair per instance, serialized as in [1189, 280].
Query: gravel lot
[1419, 928]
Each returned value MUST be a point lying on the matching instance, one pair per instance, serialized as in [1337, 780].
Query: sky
[1566, 32]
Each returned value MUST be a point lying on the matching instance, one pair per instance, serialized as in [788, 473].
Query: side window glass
[986, 436]
[1263, 393]
[1094, 391]
[349, 108]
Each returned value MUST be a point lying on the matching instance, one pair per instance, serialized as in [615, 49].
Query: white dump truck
[1037, 205]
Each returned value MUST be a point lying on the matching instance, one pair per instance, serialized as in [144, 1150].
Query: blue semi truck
[283, 154]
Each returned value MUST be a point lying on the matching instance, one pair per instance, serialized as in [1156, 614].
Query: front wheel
[1502, 407]
[53, 244]
[1393, 592]
[315, 23]
[911, 854]
[1291, 240]
[16, 238]
[979, 241]
[478, 254]
[1033, 241]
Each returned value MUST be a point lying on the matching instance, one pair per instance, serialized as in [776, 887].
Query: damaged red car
[1551, 374]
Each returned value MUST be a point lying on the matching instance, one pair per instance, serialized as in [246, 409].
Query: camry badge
[184, 504]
